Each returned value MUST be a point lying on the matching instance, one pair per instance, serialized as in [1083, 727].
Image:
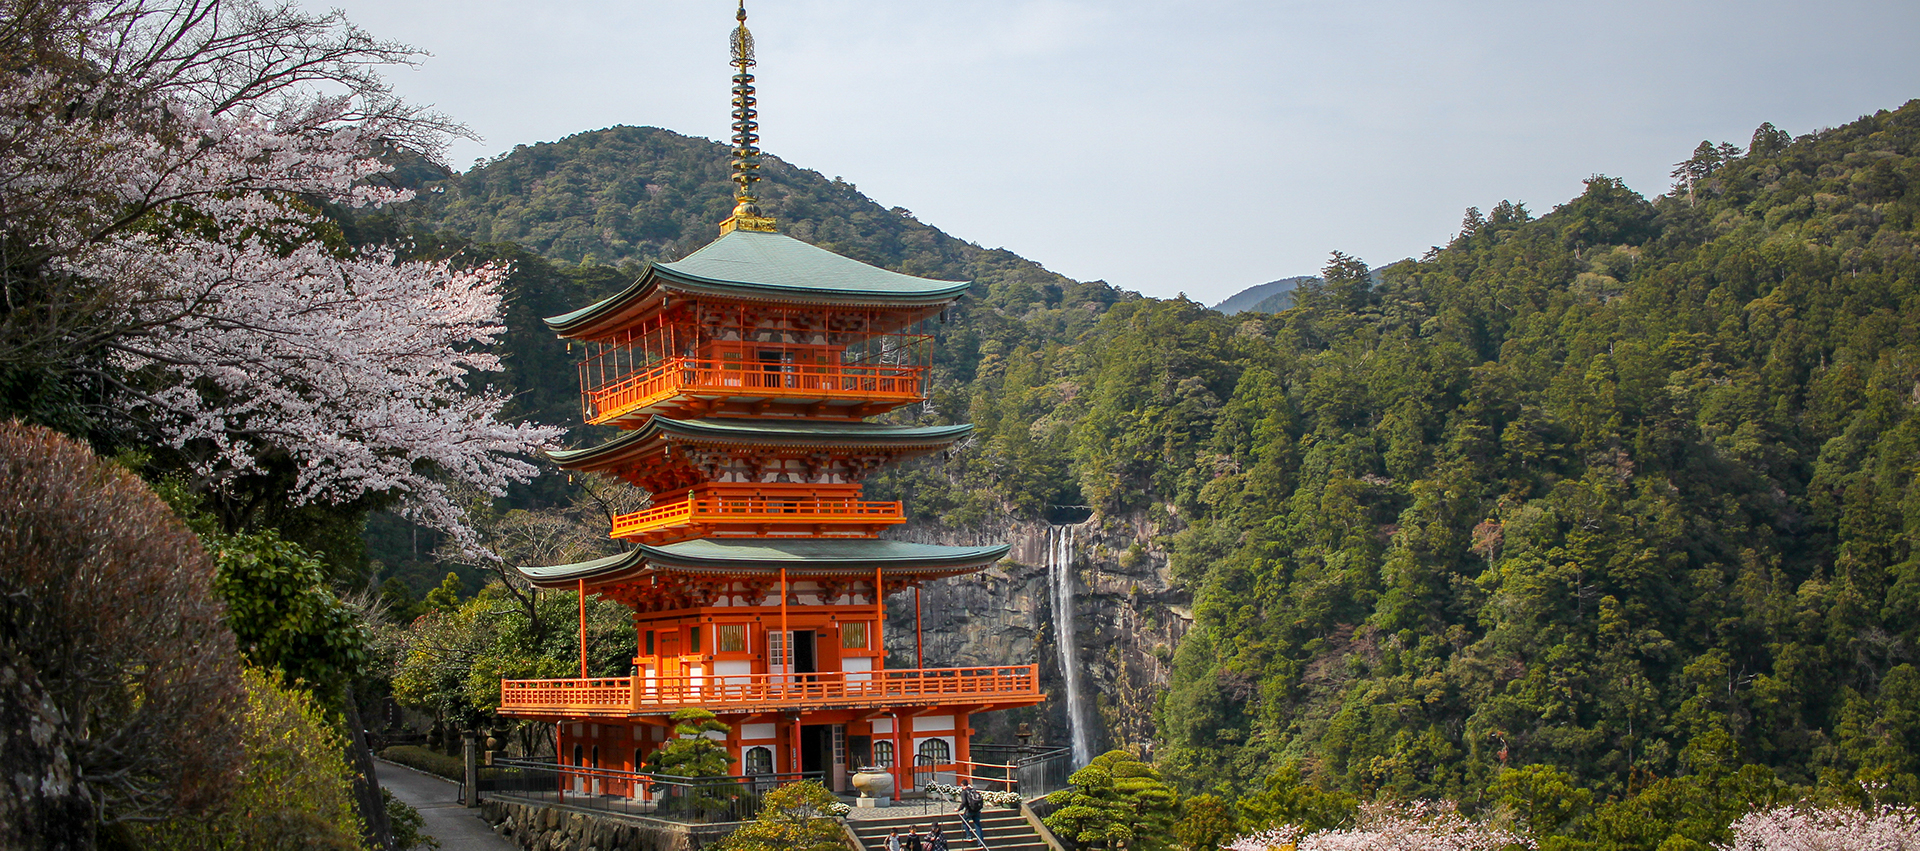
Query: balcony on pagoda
[968, 689]
[765, 510]
[623, 384]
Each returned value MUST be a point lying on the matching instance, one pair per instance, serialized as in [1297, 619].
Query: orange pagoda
[742, 377]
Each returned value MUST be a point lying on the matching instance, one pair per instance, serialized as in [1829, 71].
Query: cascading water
[1060, 574]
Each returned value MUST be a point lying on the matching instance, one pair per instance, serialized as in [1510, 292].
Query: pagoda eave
[768, 268]
[800, 558]
[652, 438]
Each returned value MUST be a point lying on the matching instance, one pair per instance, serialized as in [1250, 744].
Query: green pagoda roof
[760, 432]
[757, 266]
[801, 557]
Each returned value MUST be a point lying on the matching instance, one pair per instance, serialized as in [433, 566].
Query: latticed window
[936, 751]
[732, 637]
[759, 760]
[853, 635]
[883, 754]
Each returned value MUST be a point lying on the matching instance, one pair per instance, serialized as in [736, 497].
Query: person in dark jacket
[971, 802]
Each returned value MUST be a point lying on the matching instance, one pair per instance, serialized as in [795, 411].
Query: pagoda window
[936, 751]
[649, 650]
[883, 754]
[853, 635]
[758, 760]
[693, 638]
[730, 638]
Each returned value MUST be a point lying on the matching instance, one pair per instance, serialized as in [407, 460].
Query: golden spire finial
[746, 134]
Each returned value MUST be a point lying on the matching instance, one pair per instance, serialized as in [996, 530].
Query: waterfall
[1060, 574]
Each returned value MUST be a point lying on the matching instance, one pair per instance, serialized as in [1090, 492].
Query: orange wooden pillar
[962, 744]
[794, 765]
[902, 757]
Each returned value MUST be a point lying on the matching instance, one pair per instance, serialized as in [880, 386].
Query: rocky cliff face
[1128, 617]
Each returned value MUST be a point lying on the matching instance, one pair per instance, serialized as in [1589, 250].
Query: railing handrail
[655, 778]
[1029, 754]
[742, 508]
[850, 380]
[659, 368]
[634, 694]
[798, 678]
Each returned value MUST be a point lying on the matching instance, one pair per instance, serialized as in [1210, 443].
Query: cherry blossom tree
[159, 246]
[1809, 828]
[1417, 826]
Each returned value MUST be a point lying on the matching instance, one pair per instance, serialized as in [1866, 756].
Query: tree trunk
[43, 804]
[366, 789]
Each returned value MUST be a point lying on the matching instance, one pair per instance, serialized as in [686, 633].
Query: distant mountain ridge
[1270, 297]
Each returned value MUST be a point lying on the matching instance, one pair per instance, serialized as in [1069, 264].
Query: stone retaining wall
[540, 828]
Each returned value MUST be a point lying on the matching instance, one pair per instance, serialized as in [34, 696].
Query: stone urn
[875, 785]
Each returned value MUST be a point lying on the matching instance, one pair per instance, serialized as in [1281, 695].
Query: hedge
[430, 761]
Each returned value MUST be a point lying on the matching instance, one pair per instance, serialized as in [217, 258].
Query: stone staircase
[1005, 830]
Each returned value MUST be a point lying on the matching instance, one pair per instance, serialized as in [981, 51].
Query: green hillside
[1270, 297]
[1628, 490]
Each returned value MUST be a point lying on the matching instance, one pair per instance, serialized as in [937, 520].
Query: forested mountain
[1270, 297]
[1627, 490]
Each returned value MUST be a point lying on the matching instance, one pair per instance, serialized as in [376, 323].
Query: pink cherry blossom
[1809, 828]
[155, 200]
[1416, 826]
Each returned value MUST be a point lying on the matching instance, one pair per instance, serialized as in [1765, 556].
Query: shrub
[296, 791]
[429, 761]
[795, 817]
[407, 824]
[112, 650]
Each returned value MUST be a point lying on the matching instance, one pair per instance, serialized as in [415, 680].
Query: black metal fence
[691, 800]
[1030, 771]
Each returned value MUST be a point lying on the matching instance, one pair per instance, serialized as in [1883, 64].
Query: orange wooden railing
[630, 695]
[664, 379]
[695, 510]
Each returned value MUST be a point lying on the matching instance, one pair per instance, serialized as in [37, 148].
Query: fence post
[470, 768]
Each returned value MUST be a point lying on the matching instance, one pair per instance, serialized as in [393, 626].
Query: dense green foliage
[794, 817]
[408, 826]
[1119, 802]
[691, 752]
[1626, 490]
[451, 662]
[293, 793]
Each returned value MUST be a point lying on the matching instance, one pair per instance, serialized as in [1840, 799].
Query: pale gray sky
[1177, 147]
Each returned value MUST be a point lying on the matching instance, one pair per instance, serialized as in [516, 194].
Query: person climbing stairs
[1003, 830]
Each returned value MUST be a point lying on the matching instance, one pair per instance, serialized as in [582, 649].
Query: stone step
[1003, 830]
[948, 822]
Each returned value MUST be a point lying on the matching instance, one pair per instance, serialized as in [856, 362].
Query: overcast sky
[1176, 147]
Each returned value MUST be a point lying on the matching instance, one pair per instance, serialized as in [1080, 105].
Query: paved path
[457, 828]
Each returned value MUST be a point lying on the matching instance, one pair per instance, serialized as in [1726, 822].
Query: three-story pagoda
[743, 377]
